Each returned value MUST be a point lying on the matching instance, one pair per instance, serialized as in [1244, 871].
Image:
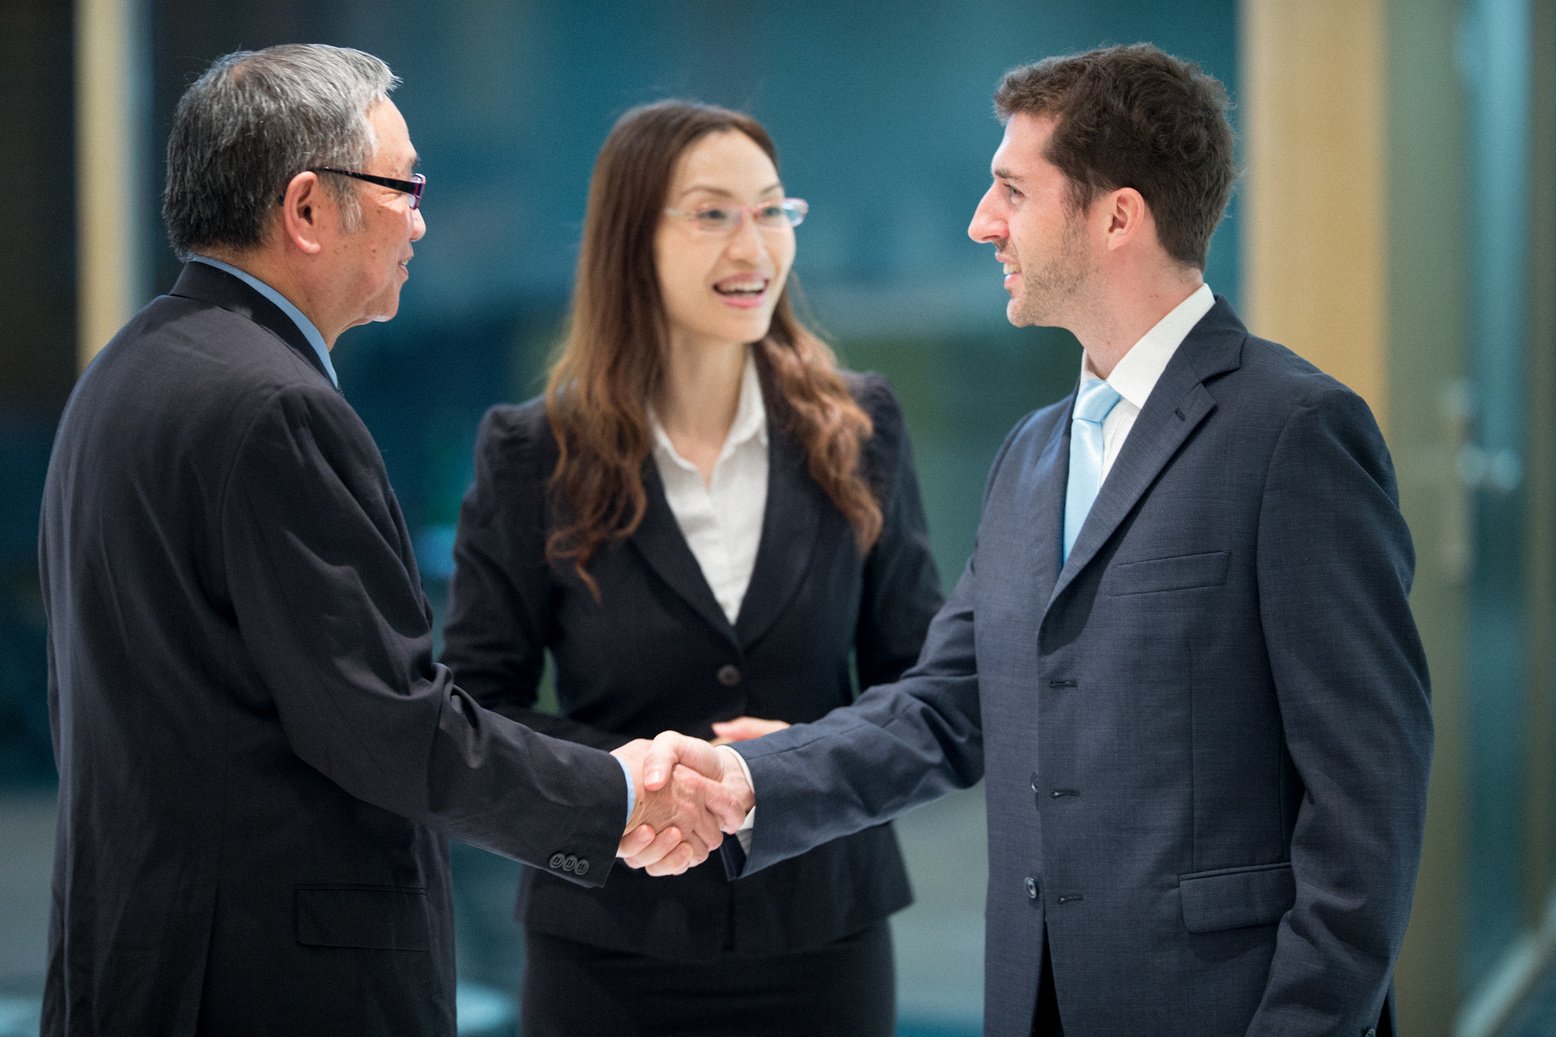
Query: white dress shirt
[1138, 372]
[722, 519]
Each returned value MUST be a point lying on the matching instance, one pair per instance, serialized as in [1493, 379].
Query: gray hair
[254, 120]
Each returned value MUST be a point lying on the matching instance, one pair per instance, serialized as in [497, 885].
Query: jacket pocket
[1231, 898]
[1180, 572]
[388, 918]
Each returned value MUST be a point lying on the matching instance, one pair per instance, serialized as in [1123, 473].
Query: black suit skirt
[846, 987]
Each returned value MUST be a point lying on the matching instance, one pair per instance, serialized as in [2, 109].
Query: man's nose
[986, 225]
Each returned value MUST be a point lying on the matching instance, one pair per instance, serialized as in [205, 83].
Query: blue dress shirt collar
[311, 333]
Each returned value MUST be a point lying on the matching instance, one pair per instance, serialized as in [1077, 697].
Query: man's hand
[686, 798]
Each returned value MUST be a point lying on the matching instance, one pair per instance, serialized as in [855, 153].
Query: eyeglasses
[723, 219]
[413, 187]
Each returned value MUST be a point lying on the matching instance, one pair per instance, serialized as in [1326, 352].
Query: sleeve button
[557, 860]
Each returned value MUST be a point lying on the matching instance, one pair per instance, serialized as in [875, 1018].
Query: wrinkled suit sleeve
[326, 593]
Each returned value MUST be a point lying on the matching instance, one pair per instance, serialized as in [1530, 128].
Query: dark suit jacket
[254, 743]
[657, 652]
[1206, 737]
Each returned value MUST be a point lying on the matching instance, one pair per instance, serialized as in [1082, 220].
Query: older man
[258, 757]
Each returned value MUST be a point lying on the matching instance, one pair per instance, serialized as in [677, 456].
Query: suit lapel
[1177, 405]
[790, 524]
[1043, 486]
[659, 541]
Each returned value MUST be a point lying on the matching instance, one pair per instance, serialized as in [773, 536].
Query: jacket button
[570, 863]
[582, 868]
[557, 860]
[1371, 1031]
[1031, 888]
[729, 675]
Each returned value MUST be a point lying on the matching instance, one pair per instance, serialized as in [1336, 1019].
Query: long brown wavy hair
[612, 362]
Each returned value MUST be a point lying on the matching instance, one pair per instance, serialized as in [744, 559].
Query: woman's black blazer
[656, 652]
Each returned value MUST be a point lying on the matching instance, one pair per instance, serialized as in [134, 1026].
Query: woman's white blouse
[722, 520]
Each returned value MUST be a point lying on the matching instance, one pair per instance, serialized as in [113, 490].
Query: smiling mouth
[742, 289]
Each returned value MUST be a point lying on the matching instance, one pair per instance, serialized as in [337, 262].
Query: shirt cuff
[632, 790]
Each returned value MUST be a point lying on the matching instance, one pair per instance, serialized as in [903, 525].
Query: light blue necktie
[1096, 399]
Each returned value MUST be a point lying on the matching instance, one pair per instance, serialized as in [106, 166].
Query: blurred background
[1396, 224]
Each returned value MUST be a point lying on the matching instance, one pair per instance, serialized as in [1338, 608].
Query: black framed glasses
[413, 187]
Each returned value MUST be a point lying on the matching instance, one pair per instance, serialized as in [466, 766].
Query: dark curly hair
[1135, 116]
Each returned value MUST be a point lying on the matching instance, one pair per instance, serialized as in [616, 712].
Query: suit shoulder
[1277, 389]
[307, 405]
[519, 422]
[515, 442]
[215, 373]
[874, 392]
[244, 349]
[314, 425]
[889, 448]
[1281, 373]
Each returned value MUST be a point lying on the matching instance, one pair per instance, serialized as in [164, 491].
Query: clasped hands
[690, 794]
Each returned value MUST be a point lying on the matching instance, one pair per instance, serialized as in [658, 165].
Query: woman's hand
[741, 729]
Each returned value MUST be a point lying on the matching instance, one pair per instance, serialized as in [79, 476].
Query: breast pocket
[389, 918]
[1179, 572]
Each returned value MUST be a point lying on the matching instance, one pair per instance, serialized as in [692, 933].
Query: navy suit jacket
[257, 755]
[1206, 737]
[657, 652]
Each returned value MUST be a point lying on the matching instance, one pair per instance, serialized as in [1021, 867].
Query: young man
[1182, 654]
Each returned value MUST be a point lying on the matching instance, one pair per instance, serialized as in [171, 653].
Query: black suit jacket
[254, 743]
[657, 652]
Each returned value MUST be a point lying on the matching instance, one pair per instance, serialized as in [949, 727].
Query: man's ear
[302, 206]
[1127, 216]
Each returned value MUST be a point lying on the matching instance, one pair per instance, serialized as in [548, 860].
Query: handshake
[690, 794]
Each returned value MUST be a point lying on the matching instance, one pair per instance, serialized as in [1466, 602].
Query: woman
[701, 521]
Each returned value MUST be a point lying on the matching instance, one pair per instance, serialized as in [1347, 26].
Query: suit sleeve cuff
[744, 832]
